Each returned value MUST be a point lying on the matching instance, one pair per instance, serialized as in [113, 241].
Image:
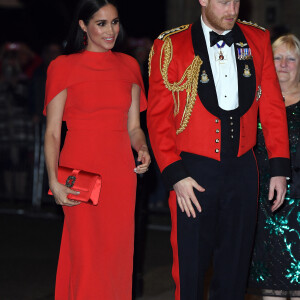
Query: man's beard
[218, 23]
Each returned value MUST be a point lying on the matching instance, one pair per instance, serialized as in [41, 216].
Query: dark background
[30, 235]
[41, 21]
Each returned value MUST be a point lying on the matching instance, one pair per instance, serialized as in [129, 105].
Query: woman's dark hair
[85, 11]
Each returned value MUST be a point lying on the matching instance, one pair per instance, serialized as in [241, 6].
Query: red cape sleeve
[143, 99]
[56, 80]
[135, 68]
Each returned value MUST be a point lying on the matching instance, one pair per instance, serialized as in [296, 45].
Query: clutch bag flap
[87, 183]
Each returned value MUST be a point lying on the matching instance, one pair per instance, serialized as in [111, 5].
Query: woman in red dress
[99, 93]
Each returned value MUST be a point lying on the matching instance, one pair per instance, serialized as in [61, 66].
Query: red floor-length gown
[96, 252]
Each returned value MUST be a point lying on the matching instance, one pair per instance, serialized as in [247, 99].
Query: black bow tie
[215, 38]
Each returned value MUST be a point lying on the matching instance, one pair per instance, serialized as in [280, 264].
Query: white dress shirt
[224, 71]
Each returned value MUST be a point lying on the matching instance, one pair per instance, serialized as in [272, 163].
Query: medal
[221, 55]
[240, 53]
[250, 54]
[244, 53]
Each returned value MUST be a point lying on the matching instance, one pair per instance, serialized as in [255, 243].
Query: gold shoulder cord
[249, 23]
[188, 82]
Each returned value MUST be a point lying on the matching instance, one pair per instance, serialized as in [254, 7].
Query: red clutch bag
[88, 184]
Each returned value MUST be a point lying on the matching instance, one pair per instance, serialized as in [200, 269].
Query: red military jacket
[183, 112]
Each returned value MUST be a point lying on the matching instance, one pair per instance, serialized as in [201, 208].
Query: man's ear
[203, 2]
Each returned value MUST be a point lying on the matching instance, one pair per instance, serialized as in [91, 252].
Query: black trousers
[223, 232]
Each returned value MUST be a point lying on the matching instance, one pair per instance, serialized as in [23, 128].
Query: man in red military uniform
[208, 81]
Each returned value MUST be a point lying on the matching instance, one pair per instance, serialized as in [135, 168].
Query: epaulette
[167, 33]
[251, 24]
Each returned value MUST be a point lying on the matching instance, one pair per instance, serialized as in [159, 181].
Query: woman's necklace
[221, 56]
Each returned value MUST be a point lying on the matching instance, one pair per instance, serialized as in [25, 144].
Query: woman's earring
[85, 40]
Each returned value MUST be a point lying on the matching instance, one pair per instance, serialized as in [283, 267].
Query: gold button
[232, 136]
[231, 118]
[231, 130]
[217, 121]
[217, 141]
[218, 131]
[217, 150]
[231, 123]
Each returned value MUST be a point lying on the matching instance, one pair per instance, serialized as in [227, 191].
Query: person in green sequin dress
[275, 267]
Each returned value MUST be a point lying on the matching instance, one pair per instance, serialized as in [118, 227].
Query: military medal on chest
[244, 53]
[220, 47]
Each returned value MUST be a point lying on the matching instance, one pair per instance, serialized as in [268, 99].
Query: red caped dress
[96, 252]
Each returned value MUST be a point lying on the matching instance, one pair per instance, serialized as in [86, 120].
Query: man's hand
[185, 195]
[277, 183]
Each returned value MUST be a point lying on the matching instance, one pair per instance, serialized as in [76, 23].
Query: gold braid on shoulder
[188, 83]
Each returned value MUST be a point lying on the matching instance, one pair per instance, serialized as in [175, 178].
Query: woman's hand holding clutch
[60, 193]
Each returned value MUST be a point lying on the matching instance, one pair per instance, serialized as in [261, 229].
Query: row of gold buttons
[217, 140]
[231, 123]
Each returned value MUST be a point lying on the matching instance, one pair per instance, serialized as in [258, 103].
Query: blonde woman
[275, 268]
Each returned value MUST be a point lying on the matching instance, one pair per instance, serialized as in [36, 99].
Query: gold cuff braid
[188, 83]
